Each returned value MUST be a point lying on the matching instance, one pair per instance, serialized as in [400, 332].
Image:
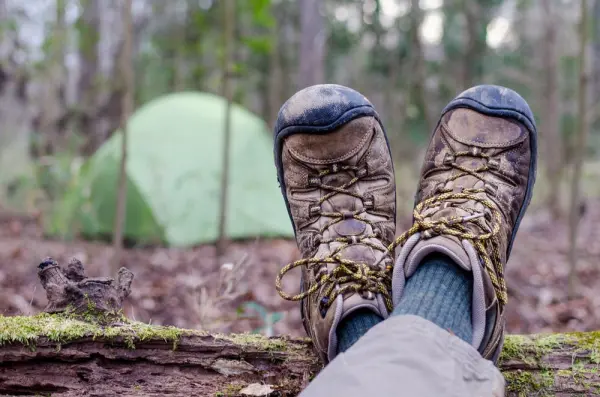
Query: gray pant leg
[408, 356]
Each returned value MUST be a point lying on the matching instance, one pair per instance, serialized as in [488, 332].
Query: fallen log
[52, 354]
[83, 346]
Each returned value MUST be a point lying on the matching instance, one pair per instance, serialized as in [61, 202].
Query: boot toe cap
[322, 108]
[495, 100]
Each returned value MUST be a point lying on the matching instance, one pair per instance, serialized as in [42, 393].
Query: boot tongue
[359, 253]
[447, 245]
[362, 254]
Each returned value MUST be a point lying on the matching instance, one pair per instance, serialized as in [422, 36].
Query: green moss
[582, 376]
[526, 383]
[62, 328]
[533, 348]
[230, 390]
[258, 341]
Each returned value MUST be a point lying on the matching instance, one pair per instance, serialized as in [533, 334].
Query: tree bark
[275, 78]
[229, 21]
[418, 89]
[580, 148]
[551, 115]
[127, 105]
[88, 84]
[312, 44]
[52, 97]
[138, 359]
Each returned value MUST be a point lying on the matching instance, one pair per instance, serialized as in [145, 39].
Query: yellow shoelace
[486, 243]
[362, 277]
[353, 276]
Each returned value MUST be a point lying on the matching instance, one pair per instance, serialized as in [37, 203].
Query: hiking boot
[337, 178]
[475, 186]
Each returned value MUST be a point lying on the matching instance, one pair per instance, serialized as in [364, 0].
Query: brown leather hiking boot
[337, 178]
[475, 186]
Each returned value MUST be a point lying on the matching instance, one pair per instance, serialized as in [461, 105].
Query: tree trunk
[16, 111]
[312, 44]
[229, 21]
[87, 87]
[52, 98]
[275, 78]
[48, 354]
[127, 105]
[476, 47]
[596, 58]
[579, 152]
[419, 89]
[551, 115]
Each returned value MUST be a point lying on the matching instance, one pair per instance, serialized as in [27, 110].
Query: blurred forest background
[73, 71]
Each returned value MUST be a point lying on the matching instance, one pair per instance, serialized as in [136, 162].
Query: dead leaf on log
[257, 389]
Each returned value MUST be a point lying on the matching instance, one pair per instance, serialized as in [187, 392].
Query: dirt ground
[189, 288]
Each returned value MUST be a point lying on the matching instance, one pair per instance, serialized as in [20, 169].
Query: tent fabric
[174, 173]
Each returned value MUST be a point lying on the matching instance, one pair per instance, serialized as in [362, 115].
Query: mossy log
[84, 346]
[61, 356]
[57, 355]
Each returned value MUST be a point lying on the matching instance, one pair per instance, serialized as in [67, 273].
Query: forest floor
[189, 288]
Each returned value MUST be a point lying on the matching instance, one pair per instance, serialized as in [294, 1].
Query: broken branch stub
[69, 290]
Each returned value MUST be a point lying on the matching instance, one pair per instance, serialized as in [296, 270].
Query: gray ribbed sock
[441, 292]
[355, 325]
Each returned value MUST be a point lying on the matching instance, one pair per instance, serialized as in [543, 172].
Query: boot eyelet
[491, 188]
[439, 187]
[448, 159]
[494, 164]
[362, 172]
[347, 215]
[335, 168]
[323, 306]
[369, 201]
[475, 151]
[314, 210]
[314, 181]
[315, 241]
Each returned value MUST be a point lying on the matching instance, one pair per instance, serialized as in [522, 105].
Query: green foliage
[261, 12]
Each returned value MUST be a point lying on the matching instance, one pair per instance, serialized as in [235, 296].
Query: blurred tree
[580, 146]
[51, 120]
[312, 44]
[127, 80]
[228, 36]
[550, 118]
[417, 89]
[88, 27]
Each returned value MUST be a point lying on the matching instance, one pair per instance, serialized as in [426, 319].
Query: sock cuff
[441, 292]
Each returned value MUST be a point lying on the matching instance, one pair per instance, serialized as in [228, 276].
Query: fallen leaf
[256, 389]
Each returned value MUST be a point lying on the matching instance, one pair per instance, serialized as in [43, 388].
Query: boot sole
[503, 102]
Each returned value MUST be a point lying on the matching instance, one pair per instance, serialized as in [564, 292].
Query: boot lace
[486, 242]
[347, 276]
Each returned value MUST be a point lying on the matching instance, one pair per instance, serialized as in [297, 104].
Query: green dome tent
[174, 174]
